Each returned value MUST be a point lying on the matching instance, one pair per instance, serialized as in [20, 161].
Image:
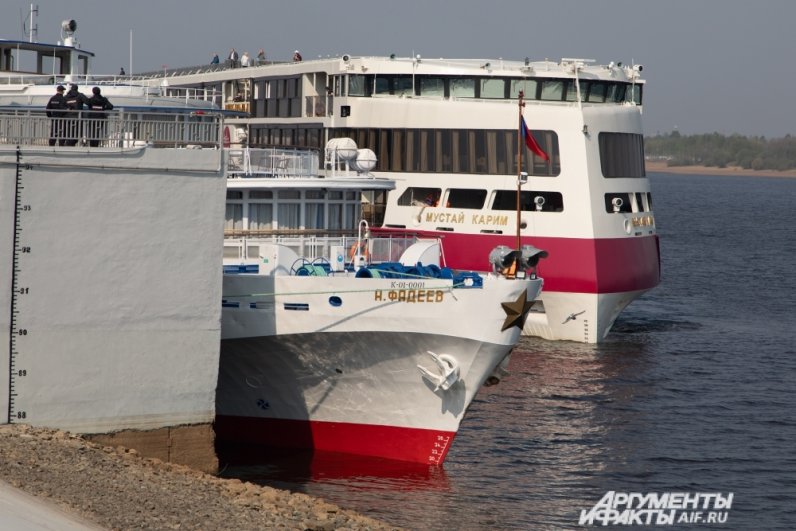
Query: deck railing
[118, 129]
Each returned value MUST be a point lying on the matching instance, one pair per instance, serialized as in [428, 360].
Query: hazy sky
[711, 65]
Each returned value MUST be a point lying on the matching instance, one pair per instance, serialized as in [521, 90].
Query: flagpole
[521, 104]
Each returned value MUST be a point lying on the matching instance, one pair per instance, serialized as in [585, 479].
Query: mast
[520, 106]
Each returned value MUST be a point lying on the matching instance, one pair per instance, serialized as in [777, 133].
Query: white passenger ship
[446, 131]
[334, 340]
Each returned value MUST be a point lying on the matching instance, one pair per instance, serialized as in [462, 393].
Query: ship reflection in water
[540, 439]
[290, 469]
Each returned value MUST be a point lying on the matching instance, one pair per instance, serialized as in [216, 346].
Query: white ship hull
[298, 371]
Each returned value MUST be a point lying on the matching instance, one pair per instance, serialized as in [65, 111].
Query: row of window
[266, 210]
[471, 151]
[476, 199]
[539, 201]
[546, 89]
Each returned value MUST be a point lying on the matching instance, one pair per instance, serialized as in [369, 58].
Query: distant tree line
[756, 153]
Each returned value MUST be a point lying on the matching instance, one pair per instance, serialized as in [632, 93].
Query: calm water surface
[694, 391]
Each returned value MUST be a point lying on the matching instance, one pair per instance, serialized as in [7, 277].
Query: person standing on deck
[97, 105]
[56, 109]
[75, 101]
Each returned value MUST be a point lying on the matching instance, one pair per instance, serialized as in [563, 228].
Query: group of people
[234, 60]
[68, 111]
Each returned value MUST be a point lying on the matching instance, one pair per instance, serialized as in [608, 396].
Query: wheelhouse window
[622, 154]
[357, 85]
[552, 90]
[527, 86]
[432, 87]
[462, 88]
[493, 88]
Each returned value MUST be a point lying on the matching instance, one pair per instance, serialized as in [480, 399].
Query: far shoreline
[661, 167]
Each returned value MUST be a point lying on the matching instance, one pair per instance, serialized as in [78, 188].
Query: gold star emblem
[516, 311]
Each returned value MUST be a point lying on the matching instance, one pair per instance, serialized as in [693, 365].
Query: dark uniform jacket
[75, 100]
[98, 103]
[56, 105]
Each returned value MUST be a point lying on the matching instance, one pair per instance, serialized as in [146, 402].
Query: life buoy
[358, 249]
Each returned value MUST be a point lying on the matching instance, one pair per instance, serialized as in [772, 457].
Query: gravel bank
[117, 489]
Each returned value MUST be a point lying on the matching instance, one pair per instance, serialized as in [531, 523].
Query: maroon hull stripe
[574, 265]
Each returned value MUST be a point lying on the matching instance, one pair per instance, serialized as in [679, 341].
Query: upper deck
[309, 88]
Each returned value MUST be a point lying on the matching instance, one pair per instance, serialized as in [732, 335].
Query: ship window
[570, 90]
[633, 94]
[315, 215]
[353, 214]
[403, 86]
[234, 194]
[622, 154]
[597, 92]
[260, 194]
[618, 202]
[356, 85]
[381, 85]
[335, 194]
[527, 86]
[493, 88]
[432, 86]
[314, 194]
[546, 201]
[288, 215]
[616, 93]
[289, 194]
[462, 88]
[466, 198]
[260, 216]
[536, 165]
[234, 217]
[552, 90]
[420, 196]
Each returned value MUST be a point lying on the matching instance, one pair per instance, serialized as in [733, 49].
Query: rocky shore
[115, 488]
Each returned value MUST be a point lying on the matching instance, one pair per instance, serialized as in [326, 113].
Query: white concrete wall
[122, 309]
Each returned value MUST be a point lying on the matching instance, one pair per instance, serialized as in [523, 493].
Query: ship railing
[134, 83]
[119, 129]
[273, 162]
[315, 245]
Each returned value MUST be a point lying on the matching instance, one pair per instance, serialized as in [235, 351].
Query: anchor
[448, 371]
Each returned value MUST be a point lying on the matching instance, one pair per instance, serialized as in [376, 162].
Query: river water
[694, 391]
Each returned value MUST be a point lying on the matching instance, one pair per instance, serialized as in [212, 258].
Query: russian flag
[530, 141]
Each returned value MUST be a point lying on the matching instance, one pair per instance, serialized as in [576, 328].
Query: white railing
[118, 129]
[273, 162]
[313, 247]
